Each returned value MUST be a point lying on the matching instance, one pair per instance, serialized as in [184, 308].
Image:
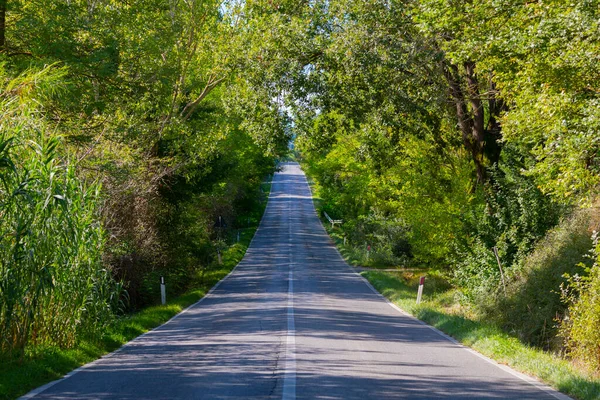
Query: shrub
[53, 287]
[534, 302]
[581, 327]
[514, 215]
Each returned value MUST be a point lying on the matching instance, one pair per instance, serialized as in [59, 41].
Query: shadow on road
[349, 344]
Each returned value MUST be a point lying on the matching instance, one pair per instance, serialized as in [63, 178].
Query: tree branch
[189, 109]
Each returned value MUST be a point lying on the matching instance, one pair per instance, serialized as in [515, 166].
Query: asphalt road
[293, 320]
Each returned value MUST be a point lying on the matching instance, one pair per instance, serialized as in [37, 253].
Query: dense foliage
[459, 135]
[53, 284]
[582, 327]
[443, 132]
[129, 151]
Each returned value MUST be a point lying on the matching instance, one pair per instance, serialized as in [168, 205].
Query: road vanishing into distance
[293, 321]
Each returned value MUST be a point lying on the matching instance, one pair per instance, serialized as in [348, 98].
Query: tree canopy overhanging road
[459, 139]
[293, 320]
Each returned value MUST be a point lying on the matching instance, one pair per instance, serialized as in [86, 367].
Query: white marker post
[368, 251]
[163, 291]
[219, 256]
[420, 292]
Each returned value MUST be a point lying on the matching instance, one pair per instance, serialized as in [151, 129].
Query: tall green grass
[47, 362]
[53, 287]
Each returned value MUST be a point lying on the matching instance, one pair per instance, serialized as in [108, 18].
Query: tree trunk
[480, 140]
[471, 126]
[493, 129]
[477, 127]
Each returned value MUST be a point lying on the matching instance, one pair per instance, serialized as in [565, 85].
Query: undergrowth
[45, 363]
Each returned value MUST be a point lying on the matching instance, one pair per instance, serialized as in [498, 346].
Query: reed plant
[53, 286]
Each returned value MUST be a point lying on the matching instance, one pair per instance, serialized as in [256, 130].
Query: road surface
[293, 320]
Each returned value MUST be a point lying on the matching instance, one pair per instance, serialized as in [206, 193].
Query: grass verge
[440, 309]
[43, 364]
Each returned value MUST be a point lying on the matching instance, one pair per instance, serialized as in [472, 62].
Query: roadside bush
[53, 286]
[581, 326]
[478, 274]
[533, 305]
[386, 235]
[512, 215]
[169, 224]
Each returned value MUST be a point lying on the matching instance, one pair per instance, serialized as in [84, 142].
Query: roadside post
[219, 256]
[420, 291]
[368, 251]
[163, 291]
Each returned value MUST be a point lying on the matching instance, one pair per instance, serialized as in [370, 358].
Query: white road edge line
[48, 385]
[528, 379]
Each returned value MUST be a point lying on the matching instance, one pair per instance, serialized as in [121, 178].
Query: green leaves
[544, 60]
[50, 249]
[581, 327]
[471, 124]
[443, 123]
